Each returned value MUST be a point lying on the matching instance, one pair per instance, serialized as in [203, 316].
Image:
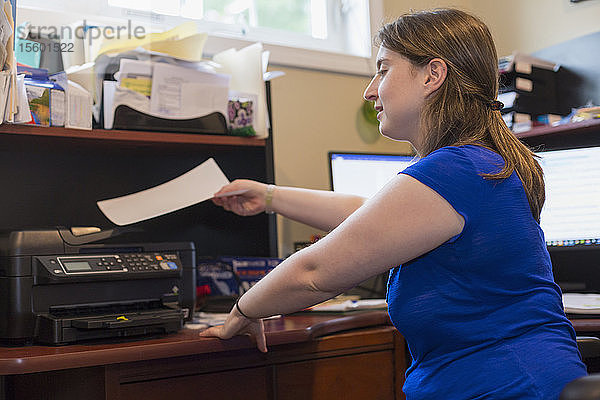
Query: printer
[61, 286]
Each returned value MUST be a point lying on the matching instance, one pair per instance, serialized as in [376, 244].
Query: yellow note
[140, 85]
[189, 48]
[120, 45]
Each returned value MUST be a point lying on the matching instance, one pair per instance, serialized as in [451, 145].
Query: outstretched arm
[403, 221]
[320, 209]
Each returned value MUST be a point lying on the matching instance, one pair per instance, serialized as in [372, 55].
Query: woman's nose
[370, 93]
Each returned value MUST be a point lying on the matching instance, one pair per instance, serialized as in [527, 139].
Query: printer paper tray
[54, 330]
[120, 321]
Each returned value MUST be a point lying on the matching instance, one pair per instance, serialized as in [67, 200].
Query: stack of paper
[349, 305]
[165, 90]
[180, 44]
[581, 303]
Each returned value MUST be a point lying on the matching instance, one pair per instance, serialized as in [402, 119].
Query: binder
[527, 103]
[539, 82]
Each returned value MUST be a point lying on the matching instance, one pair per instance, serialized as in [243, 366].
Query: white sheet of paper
[193, 187]
[234, 193]
[187, 93]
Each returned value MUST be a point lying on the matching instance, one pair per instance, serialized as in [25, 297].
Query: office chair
[587, 387]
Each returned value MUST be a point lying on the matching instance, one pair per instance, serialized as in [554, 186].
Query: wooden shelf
[572, 128]
[131, 136]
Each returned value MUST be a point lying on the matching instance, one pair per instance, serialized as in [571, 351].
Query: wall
[314, 113]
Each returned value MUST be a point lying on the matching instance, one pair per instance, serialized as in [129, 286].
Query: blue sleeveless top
[481, 313]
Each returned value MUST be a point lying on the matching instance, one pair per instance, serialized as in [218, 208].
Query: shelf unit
[53, 176]
[132, 136]
[582, 133]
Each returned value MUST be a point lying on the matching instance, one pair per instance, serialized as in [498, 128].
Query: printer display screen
[77, 266]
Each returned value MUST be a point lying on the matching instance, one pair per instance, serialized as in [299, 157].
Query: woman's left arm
[404, 220]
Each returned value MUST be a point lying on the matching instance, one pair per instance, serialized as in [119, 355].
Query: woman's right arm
[320, 209]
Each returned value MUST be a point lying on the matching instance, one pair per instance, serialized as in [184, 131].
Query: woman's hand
[237, 324]
[250, 202]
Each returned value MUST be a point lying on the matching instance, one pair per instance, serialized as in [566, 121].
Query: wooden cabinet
[360, 376]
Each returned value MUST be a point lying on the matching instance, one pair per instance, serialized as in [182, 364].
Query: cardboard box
[46, 98]
[232, 276]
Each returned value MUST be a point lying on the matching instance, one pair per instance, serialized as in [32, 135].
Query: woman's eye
[382, 72]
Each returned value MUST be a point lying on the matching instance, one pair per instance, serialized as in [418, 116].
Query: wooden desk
[357, 356]
[586, 325]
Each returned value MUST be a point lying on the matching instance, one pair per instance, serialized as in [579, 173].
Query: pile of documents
[164, 76]
[158, 78]
[165, 90]
[344, 303]
[581, 303]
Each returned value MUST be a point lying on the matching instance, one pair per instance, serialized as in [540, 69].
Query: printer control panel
[112, 263]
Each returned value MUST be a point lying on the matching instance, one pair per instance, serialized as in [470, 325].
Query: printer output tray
[65, 330]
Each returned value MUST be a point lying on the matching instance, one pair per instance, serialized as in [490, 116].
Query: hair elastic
[237, 306]
[496, 105]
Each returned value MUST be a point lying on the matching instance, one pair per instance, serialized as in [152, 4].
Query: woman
[472, 289]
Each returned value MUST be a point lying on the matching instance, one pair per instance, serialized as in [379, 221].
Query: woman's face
[398, 92]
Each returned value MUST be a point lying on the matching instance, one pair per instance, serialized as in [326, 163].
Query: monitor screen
[571, 214]
[364, 174]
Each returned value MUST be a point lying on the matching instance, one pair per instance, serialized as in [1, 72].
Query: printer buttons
[172, 265]
[164, 265]
[57, 271]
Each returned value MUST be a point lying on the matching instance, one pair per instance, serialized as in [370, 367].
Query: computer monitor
[364, 174]
[571, 214]
[570, 217]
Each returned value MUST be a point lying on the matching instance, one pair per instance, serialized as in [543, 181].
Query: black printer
[60, 286]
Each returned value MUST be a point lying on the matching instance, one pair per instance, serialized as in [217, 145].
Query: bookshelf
[592, 125]
[584, 133]
[131, 136]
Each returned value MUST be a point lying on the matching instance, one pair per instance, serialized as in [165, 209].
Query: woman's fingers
[254, 329]
[215, 331]
[258, 333]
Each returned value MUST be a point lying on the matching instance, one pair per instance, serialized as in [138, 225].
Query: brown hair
[462, 110]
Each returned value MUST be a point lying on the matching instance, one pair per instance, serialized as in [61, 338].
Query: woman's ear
[435, 74]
